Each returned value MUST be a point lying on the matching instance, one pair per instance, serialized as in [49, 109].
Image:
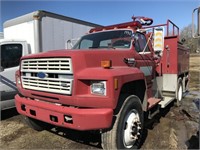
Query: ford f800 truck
[107, 82]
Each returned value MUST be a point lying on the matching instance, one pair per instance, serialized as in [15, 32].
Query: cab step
[153, 107]
[153, 111]
[152, 102]
[166, 101]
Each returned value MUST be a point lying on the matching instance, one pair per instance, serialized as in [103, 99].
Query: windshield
[108, 39]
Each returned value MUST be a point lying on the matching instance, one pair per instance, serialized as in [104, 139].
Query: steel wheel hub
[132, 127]
[180, 93]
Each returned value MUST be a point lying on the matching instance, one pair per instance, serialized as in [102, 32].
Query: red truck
[107, 82]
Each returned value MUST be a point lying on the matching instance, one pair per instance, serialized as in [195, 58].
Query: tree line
[187, 39]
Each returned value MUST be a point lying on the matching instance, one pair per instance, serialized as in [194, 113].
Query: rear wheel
[127, 129]
[179, 93]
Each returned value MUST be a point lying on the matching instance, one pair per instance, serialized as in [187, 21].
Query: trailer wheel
[34, 124]
[179, 93]
[127, 129]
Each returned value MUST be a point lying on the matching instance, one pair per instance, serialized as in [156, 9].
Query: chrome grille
[58, 75]
[50, 65]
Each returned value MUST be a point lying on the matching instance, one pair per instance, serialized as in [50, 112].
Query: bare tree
[193, 44]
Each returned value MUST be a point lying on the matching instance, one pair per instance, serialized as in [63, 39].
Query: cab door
[144, 59]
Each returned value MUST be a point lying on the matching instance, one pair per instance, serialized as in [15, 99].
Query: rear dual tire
[179, 93]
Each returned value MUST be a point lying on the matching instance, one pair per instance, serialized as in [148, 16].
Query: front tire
[127, 129]
[35, 124]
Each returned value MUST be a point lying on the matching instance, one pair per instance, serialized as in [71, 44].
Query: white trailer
[35, 32]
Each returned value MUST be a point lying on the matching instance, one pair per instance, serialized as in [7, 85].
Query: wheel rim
[180, 93]
[132, 127]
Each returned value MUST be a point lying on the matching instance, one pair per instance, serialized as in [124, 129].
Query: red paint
[83, 118]
[175, 59]
[152, 102]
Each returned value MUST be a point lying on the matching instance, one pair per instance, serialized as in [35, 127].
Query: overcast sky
[105, 12]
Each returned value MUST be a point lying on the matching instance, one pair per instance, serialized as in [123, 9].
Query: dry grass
[195, 63]
[195, 73]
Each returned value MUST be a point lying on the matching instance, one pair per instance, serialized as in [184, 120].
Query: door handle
[130, 61]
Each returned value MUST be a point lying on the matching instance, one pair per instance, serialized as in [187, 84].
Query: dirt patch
[175, 129]
[15, 134]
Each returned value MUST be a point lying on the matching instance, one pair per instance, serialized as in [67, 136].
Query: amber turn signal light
[106, 64]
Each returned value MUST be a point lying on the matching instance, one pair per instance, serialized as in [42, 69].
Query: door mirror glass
[140, 42]
[69, 44]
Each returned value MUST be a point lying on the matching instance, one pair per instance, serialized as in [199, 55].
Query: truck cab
[11, 52]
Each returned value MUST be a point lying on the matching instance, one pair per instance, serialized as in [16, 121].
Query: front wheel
[36, 124]
[127, 129]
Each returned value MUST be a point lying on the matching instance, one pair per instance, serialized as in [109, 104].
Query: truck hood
[87, 58]
[86, 67]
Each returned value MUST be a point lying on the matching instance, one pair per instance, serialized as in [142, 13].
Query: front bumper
[78, 118]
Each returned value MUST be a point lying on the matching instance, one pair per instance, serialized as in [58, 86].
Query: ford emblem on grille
[42, 75]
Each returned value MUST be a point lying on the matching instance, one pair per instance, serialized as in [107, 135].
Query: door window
[10, 55]
[85, 44]
[140, 42]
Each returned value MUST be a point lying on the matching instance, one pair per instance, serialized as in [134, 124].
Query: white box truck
[1, 35]
[35, 32]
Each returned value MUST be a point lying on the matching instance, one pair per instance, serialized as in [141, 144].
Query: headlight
[98, 87]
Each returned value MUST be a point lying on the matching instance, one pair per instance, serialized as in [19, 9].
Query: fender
[123, 75]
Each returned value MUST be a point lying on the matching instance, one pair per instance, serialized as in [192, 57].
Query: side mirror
[196, 12]
[133, 42]
[69, 44]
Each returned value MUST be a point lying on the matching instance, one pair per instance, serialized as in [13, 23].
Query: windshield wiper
[100, 47]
